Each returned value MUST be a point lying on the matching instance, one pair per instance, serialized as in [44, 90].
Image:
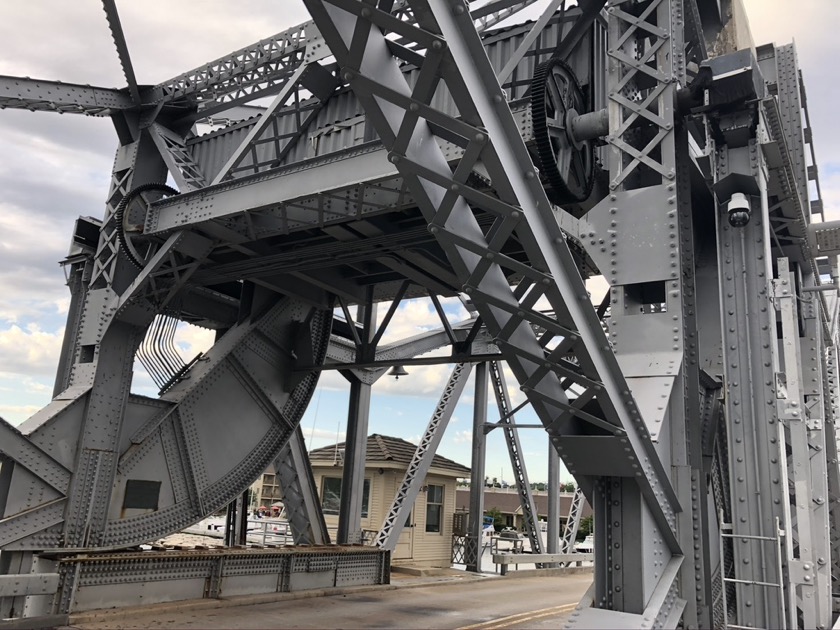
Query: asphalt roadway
[465, 602]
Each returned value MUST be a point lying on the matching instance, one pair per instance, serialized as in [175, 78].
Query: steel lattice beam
[421, 461]
[446, 200]
[517, 463]
[64, 98]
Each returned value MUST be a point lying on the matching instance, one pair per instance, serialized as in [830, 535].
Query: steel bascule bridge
[395, 149]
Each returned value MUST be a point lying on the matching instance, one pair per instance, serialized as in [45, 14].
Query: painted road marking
[504, 622]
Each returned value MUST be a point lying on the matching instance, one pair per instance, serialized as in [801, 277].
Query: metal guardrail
[506, 559]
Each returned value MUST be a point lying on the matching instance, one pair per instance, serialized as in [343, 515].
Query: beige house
[427, 541]
[265, 491]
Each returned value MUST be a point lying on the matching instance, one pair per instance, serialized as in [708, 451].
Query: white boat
[587, 545]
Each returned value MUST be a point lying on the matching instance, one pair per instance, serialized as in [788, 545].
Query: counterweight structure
[414, 148]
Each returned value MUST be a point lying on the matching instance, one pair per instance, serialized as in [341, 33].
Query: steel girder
[55, 96]
[300, 496]
[567, 544]
[634, 397]
[778, 453]
[421, 461]
[408, 124]
[517, 462]
[263, 67]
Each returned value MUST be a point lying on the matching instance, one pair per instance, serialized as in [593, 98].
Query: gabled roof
[385, 449]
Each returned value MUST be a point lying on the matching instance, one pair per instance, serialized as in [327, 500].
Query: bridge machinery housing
[399, 149]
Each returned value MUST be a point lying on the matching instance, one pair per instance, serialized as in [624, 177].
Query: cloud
[193, 339]
[29, 352]
[164, 38]
[462, 437]
[15, 414]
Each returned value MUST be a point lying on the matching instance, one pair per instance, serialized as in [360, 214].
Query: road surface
[486, 604]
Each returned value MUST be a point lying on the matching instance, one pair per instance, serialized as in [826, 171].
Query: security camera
[739, 210]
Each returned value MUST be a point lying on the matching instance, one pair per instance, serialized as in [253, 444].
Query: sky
[54, 168]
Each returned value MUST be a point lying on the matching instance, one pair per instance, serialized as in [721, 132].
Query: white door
[405, 544]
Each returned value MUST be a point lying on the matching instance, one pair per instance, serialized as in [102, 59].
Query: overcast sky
[54, 168]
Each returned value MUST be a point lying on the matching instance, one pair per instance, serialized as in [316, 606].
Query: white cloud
[462, 437]
[15, 414]
[29, 352]
[193, 339]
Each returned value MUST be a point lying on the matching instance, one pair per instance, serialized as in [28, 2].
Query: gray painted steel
[698, 418]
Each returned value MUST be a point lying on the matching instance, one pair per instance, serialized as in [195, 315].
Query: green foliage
[498, 519]
[568, 487]
[585, 528]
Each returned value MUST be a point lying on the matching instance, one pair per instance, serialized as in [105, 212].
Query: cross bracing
[386, 151]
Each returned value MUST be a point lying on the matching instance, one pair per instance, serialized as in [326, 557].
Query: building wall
[266, 490]
[416, 544]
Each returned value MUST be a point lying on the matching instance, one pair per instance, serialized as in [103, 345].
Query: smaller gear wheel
[129, 217]
[566, 165]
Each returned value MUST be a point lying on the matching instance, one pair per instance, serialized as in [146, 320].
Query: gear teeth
[558, 189]
[119, 217]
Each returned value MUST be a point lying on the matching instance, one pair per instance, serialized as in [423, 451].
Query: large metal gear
[567, 165]
[129, 216]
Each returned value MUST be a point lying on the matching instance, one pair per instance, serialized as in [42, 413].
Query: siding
[429, 548]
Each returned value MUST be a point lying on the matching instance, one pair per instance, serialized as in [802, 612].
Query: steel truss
[699, 420]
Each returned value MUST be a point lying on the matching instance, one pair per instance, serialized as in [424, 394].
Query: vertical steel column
[353, 476]
[756, 455]
[553, 488]
[803, 577]
[77, 281]
[355, 446]
[104, 348]
[832, 435]
[473, 548]
[651, 272]
[812, 365]
[684, 412]
[236, 522]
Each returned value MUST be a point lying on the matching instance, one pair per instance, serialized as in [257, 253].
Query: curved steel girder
[202, 444]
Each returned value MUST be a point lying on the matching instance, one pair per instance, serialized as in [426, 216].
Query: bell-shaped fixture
[397, 371]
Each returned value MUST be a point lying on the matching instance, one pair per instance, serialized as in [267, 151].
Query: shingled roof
[386, 449]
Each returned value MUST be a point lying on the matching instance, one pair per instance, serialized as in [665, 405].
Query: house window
[434, 508]
[331, 495]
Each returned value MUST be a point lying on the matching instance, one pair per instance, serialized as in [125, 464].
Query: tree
[568, 487]
[585, 528]
[498, 519]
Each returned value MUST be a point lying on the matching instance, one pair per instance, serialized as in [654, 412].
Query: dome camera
[739, 210]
